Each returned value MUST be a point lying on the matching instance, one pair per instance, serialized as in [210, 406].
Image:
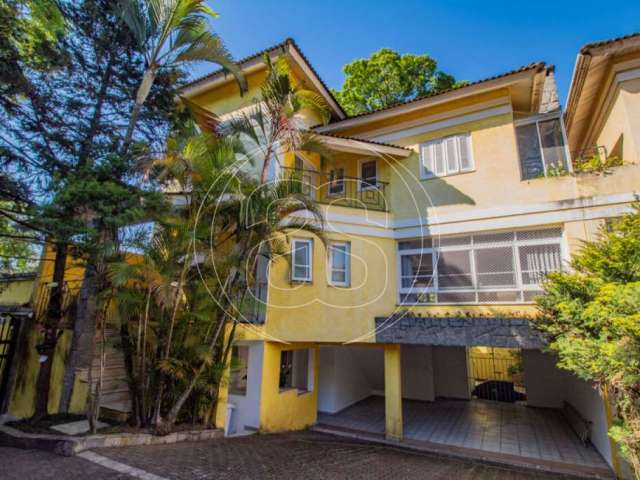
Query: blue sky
[469, 39]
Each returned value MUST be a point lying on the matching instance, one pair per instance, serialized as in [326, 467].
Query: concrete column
[393, 392]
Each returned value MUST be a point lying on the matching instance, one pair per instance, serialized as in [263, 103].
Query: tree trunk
[84, 330]
[51, 325]
[127, 350]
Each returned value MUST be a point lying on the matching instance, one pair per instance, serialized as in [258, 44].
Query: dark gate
[496, 374]
[8, 341]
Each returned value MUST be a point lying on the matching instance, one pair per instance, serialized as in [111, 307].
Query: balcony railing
[354, 192]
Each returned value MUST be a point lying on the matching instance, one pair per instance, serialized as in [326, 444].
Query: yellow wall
[16, 292]
[288, 409]
[624, 119]
[23, 395]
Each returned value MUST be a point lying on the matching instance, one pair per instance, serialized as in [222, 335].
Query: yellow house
[443, 214]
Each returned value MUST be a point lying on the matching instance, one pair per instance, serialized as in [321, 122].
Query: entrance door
[497, 374]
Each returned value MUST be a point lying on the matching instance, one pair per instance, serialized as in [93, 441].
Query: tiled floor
[503, 428]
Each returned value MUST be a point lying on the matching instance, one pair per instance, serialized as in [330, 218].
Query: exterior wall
[16, 292]
[317, 311]
[624, 119]
[287, 409]
[22, 403]
[348, 375]
[418, 373]
[450, 372]
[548, 387]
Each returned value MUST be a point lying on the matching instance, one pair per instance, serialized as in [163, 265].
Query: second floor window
[368, 174]
[339, 264]
[446, 156]
[541, 148]
[336, 181]
[301, 260]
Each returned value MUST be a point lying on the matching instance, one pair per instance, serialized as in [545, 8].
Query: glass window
[454, 270]
[336, 181]
[339, 263]
[417, 270]
[538, 260]
[368, 174]
[541, 148]
[504, 267]
[529, 151]
[552, 142]
[495, 268]
[446, 156]
[302, 251]
[295, 366]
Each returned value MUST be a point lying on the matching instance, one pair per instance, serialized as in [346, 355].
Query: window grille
[503, 267]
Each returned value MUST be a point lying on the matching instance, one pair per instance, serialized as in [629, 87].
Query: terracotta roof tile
[531, 66]
[589, 46]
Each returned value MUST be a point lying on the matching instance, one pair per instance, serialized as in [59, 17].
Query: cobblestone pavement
[307, 455]
[17, 464]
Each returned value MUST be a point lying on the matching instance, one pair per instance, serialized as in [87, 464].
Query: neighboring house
[443, 214]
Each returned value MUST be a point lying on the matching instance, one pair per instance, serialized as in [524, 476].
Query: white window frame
[294, 243]
[347, 265]
[471, 247]
[361, 186]
[537, 119]
[339, 192]
[425, 173]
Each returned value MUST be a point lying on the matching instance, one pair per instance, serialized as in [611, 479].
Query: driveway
[306, 455]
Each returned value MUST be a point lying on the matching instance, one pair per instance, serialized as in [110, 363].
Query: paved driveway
[305, 455]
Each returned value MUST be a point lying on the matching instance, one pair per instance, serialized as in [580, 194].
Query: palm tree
[172, 33]
[274, 123]
[201, 265]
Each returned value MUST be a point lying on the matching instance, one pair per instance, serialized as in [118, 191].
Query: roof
[534, 66]
[289, 42]
[589, 46]
[372, 142]
[592, 78]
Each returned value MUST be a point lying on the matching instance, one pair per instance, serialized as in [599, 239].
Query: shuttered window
[504, 267]
[446, 156]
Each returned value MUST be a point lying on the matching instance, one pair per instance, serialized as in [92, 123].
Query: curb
[70, 446]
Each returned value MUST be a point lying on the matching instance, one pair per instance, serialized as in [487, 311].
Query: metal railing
[344, 191]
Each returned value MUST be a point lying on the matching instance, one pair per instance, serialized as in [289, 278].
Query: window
[296, 370]
[336, 181]
[368, 174]
[340, 264]
[446, 156]
[503, 267]
[301, 260]
[542, 148]
[238, 377]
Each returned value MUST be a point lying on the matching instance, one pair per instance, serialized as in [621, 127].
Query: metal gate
[496, 374]
[8, 341]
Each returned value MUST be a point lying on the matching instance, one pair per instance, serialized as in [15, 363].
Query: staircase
[115, 400]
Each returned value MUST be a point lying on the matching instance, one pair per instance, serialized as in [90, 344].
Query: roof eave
[455, 94]
[353, 145]
[255, 63]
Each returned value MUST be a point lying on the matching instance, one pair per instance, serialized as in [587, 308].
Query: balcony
[343, 191]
